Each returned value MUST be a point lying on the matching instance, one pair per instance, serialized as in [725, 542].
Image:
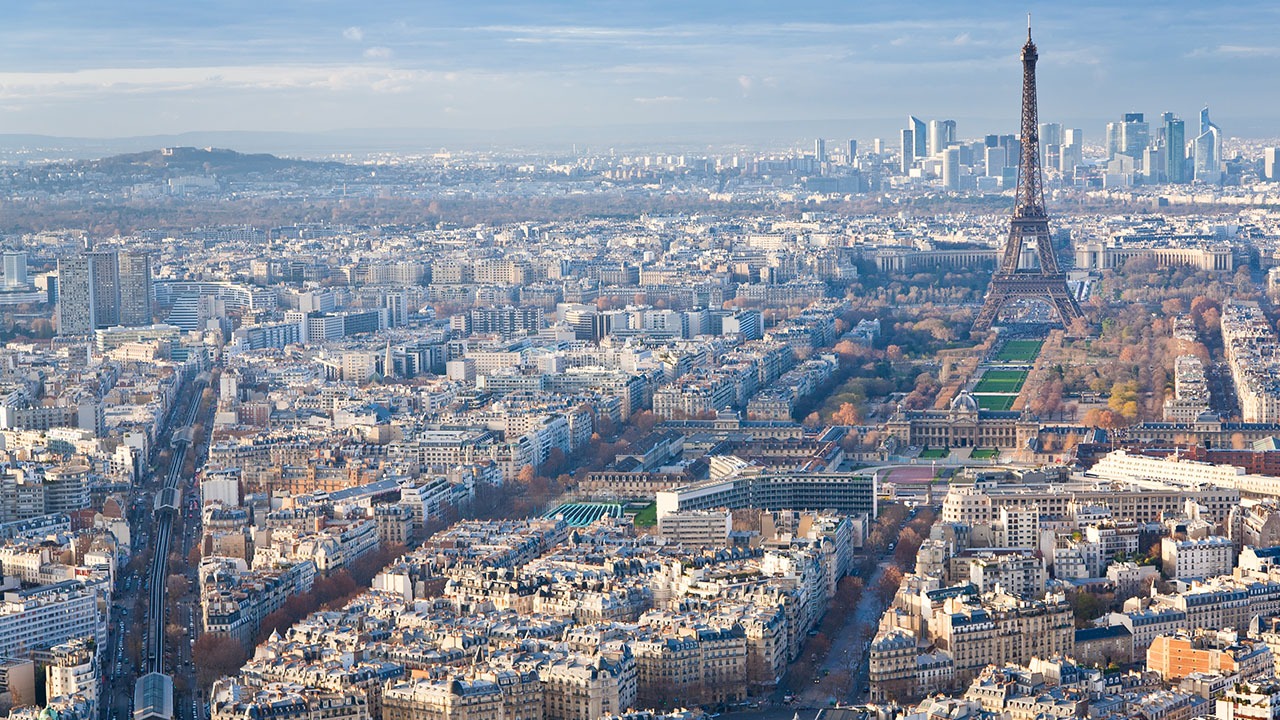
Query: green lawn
[1001, 381]
[934, 454]
[984, 454]
[1019, 351]
[999, 403]
[648, 516]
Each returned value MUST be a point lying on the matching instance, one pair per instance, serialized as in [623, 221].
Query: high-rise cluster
[1164, 155]
[102, 289]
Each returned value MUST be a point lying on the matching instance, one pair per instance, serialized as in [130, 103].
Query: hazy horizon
[500, 73]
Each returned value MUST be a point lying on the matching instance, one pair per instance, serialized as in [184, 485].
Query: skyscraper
[1175, 150]
[820, 150]
[1128, 137]
[951, 168]
[941, 134]
[1050, 144]
[1207, 149]
[1269, 166]
[1205, 122]
[994, 160]
[1205, 157]
[135, 288]
[1051, 133]
[1153, 164]
[106, 287]
[908, 150]
[76, 311]
[1012, 150]
[1072, 152]
[1070, 156]
[920, 134]
[15, 269]
[101, 289]
[853, 151]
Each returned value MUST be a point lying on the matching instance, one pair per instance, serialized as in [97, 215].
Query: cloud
[353, 33]
[86, 83]
[1236, 51]
[378, 53]
[659, 100]
[745, 82]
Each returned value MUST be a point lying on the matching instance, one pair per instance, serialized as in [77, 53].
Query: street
[151, 518]
[849, 648]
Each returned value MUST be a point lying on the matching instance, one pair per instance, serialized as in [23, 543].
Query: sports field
[648, 516]
[934, 454]
[1019, 351]
[1001, 381]
[999, 402]
[984, 454]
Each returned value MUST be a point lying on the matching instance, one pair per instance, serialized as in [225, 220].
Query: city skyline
[148, 68]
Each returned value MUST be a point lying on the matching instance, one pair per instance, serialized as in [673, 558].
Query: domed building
[964, 424]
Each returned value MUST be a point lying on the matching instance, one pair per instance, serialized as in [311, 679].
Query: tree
[177, 586]
[849, 351]
[174, 632]
[42, 328]
[133, 647]
[1086, 608]
[526, 475]
[643, 421]
[555, 463]
[887, 586]
[818, 647]
[219, 656]
[847, 415]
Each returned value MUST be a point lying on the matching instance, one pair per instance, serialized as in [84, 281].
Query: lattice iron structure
[1029, 225]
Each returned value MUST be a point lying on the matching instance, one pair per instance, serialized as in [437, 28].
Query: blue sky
[135, 67]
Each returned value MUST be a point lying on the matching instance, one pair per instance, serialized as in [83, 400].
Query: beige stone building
[1002, 629]
[585, 688]
[963, 424]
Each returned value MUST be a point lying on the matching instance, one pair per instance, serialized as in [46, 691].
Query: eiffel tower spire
[1029, 224]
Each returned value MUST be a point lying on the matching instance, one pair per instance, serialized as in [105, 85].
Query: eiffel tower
[1040, 279]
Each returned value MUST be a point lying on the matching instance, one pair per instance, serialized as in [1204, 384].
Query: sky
[141, 67]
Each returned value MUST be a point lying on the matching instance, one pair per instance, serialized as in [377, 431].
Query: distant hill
[202, 161]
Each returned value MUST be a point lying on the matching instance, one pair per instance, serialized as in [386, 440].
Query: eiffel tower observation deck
[1028, 269]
